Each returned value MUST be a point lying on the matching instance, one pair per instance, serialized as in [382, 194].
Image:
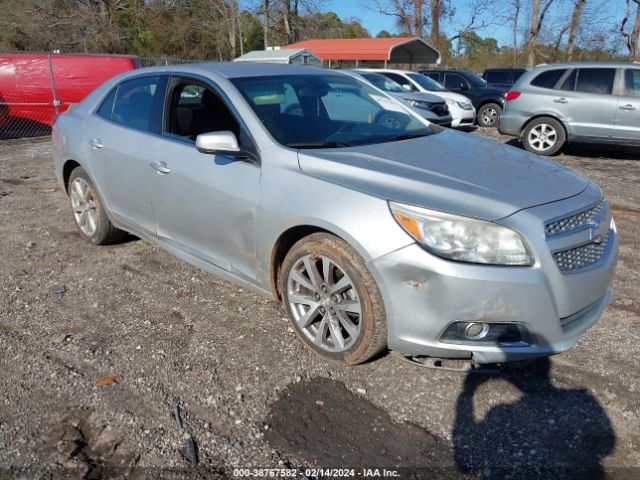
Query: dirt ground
[92, 377]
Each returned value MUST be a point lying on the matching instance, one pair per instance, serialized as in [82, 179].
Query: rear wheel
[332, 300]
[544, 136]
[88, 213]
[488, 114]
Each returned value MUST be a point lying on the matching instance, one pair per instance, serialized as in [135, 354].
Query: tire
[488, 114]
[324, 309]
[89, 216]
[544, 136]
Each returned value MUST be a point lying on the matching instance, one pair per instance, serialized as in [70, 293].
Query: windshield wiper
[330, 144]
[405, 136]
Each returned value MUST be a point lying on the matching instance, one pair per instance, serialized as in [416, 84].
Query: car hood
[449, 171]
[419, 97]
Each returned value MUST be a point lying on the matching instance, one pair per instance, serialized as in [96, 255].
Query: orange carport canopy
[394, 50]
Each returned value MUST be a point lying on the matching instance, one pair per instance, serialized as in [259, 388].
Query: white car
[461, 108]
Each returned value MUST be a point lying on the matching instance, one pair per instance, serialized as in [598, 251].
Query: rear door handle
[160, 167]
[561, 100]
[96, 143]
[628, 106]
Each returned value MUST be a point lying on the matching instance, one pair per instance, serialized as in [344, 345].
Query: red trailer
[34, 87]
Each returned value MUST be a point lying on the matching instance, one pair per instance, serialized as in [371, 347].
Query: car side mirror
[407, 87]
[464, 87]
[222, 143]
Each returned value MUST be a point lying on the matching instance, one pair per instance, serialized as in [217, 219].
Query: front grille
[582, 256]
[439, 109]
[575, 221]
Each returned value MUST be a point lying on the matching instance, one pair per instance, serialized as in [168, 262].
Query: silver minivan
[374, 227]
[591, 102]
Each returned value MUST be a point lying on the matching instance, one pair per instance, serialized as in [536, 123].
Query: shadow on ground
[548, 433]
[589, 150]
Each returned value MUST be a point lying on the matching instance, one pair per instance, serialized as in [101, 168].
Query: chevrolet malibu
[375, 228]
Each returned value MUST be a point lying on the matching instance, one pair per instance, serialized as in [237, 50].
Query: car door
[456, 83]
[120, 138]
[585, 98]
[627, 122]
[205, 204]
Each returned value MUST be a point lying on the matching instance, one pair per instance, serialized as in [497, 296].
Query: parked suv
[488, 100]
[502, 77]
[595, 102]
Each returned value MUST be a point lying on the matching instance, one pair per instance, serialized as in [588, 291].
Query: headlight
[461, 238]
[419, 104]
[465, 105]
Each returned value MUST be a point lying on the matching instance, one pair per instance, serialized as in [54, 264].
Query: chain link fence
[37, 86]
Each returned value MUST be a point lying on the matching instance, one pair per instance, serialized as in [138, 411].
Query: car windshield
[426, 82]
[327, 111]
[384, 83]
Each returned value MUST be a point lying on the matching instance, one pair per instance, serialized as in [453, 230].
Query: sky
[374, 22]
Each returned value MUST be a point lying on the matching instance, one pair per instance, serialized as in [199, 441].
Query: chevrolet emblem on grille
[598, 228]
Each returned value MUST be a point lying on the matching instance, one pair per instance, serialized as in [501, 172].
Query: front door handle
[96, 143]
[628, 106]
[561, 100]
[160, 167]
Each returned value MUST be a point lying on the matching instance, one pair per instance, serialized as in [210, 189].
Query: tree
[575, 23]
[631, 41]
[537, 18]
[516, 6]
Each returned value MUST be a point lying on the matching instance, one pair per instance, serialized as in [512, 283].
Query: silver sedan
[375, 228]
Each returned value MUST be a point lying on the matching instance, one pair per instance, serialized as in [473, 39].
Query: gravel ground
[93, 375]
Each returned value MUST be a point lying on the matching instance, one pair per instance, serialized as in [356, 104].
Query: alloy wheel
[489, 116]
[83, 205]
[542, 137]
[324, 303]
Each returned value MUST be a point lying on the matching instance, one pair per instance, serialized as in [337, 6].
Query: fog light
[483, 333]
[476, 331]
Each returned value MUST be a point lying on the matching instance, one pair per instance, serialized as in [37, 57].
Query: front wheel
[332, 300]
[544, 136]
[489, 114]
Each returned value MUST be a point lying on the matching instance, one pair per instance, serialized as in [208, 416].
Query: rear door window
[549, 78]
[138, 104]
[435, 76]
[632, 82]
[106, 109]
[569, 83]
[498, 77]
[595, 80]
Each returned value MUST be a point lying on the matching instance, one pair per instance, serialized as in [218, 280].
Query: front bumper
[424, 294]
[462, 118]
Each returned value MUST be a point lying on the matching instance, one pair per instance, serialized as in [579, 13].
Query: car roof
[602, 64]
[383, 70]
[505, 69]
[239, 69]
